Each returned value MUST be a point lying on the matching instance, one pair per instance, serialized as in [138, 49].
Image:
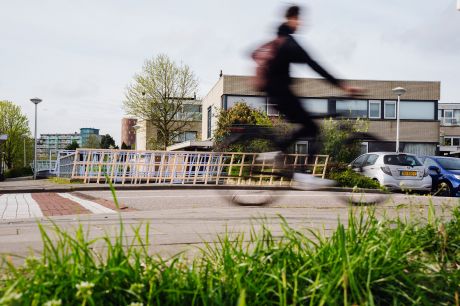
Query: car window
[430, 162]
[450, 163]
[401, 160]
[371, 160]
[359, 161]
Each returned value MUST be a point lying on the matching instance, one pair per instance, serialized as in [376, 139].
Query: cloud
[78, 89]
[438, 35]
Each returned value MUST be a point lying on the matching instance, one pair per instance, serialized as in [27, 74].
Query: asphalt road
[180, 220]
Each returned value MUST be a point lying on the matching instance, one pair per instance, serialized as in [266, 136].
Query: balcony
[449, 121]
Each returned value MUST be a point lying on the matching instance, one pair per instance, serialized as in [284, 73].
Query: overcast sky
[79, 55]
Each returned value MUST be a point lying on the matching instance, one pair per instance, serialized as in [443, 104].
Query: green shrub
[18, 172]
[350, 178]
[335, 134]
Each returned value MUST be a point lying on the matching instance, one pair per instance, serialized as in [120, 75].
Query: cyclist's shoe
[268, 157]
[304, 181]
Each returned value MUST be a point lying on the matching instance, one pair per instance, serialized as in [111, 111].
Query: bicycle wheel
[366, 197]
[251, 197]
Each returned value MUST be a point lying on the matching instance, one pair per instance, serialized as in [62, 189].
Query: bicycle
[281, 169]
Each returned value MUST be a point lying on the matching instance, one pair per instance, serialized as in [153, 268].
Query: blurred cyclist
[277, 87]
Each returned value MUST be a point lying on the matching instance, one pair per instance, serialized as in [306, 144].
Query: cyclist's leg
[290, 106]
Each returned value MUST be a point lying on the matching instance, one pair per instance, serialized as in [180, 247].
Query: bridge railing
[162, 167]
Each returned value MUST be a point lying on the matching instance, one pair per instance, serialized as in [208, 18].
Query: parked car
[445, 172]
[395, 171]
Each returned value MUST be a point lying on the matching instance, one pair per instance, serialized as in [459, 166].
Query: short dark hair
[293, 11]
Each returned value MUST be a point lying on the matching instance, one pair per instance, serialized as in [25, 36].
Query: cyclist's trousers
[291, 108]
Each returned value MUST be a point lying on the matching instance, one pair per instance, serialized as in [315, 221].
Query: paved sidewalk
[39, 205]
[28, 185]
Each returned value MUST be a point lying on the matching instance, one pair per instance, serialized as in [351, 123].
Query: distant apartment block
[85, 134]
[49, 144]
[128, 132]
[419, 128]
[146, 134]
[449, 118]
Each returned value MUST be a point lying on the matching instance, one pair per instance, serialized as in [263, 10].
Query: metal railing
[162, 167]
[449, 121]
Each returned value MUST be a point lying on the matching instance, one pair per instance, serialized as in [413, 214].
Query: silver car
[395, 171]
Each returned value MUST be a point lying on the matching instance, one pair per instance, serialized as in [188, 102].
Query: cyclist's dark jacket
[291, 52]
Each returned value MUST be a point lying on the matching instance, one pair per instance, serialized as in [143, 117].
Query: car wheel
[443, 189]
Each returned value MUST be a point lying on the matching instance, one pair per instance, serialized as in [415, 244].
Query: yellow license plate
[408, 173]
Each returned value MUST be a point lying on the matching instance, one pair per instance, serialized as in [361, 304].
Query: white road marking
[89, 205]
[19, 205]
[34, 208]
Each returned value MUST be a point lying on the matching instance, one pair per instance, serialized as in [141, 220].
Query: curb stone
[170, 187]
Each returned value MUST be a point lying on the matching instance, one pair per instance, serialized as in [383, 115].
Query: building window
[189, 112]
[272, 111]
[352, 108]
[416, 110]
[186, 136]
[315, 106]
[389, 110]
[450, 117]
[374, 109]
[259, 103]
[301, 147]
[451, 141]
[364, 147]
[209, 122]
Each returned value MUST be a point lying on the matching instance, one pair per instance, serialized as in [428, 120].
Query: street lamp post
[35, 101]
[399, 91]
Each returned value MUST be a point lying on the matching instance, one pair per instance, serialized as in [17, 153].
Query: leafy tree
[336, 132]
[73, 146]
[107, 142]
[240, 113]
[14, 124]
[157, 95]
[93, 142]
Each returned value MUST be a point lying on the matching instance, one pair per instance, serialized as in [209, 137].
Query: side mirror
[435, 169]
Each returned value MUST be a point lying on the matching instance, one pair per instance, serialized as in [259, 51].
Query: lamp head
[399, 91]
[35, 100]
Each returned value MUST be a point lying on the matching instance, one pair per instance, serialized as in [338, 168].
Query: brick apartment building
[128, 132]
[419, 125]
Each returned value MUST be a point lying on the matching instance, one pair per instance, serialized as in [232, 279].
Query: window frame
[365, 144]
[348, 113]
[379, 103]
[447, 120]
[300, 142]
[276, 114]
[209, 122]
[389, 102]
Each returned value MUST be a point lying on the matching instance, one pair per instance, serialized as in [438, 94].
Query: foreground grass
[366, 262]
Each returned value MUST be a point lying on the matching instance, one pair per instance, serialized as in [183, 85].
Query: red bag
[263, 57]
